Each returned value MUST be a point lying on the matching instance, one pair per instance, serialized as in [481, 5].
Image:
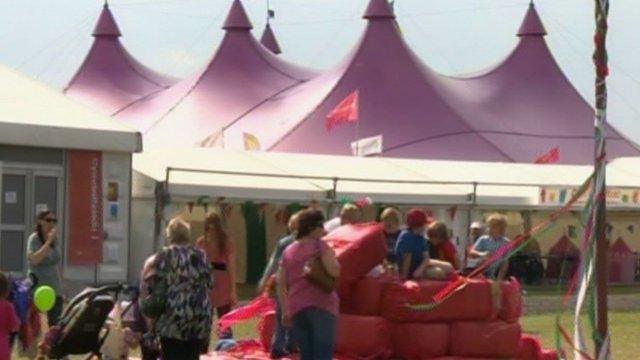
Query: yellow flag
[251, 142]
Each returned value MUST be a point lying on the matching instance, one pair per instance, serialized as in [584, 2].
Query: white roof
[32, 114]
[282, 176]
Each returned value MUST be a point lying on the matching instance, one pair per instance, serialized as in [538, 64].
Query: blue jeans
[314, 330]
[282, 342]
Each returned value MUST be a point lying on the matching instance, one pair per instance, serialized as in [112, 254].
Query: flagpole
[357, 137]
[600, 62]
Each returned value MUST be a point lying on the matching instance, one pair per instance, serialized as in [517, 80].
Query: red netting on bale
[367, 293]
[359, 249]
[420, 341]
[496, 339]
[364, 337]
[473, 302]
[510, 309]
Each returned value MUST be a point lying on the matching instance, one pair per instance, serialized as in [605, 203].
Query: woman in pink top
[9, 322]
[221, 254]
[310, 310]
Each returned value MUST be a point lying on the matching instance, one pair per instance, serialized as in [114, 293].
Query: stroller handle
[114, 288]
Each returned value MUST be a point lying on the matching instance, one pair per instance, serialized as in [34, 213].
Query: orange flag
[553, 156]
[346, 112]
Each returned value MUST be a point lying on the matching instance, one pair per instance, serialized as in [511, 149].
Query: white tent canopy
[34, 115]
[299, 177]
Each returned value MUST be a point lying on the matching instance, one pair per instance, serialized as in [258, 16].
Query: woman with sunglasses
[44, 259]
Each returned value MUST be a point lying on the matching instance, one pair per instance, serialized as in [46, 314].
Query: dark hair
[308, 221]
[221, 238]
[42, 215]
[4, 286]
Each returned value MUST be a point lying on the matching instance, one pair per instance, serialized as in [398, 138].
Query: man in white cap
[476, 229]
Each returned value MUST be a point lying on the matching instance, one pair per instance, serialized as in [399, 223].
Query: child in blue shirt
[412, 248]
[489, 244]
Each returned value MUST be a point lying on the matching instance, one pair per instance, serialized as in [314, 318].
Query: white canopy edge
[300, 177]
[35, 115]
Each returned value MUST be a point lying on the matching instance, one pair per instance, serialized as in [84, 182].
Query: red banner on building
[85, 208]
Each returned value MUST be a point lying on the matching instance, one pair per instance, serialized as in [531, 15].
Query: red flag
[553, 156]
[346, 112]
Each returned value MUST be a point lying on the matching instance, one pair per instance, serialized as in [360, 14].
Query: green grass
[624, 328]
[552, 290]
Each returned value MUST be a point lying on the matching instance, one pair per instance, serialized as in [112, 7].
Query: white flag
[367, 146]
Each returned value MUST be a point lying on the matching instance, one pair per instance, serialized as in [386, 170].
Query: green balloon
[44, 298]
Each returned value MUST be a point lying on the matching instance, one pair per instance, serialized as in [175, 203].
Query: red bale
[359, 249]
[510, 309]
[473, 302]
[496, 339]
[366, 337]
[366, 295]
[420, 341]
[530, 348]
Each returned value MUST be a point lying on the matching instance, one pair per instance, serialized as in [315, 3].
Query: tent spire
[379, 9]
[237, 18]
[106, 25]
[268, 40]
[532, 25]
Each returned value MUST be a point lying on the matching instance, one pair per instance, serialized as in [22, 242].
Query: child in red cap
[412, 251]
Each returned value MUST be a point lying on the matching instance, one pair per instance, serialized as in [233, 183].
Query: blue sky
[48, 39]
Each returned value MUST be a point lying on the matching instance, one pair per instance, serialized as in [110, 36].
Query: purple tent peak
[379, 9]
[268, 40]
[106, 25]
[237, 18]
[532, 25]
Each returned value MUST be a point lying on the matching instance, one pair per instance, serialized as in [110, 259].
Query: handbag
[316, 273]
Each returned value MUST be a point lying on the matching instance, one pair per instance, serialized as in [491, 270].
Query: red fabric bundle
[473, 302]
[366, 337]
[511, 301]
[359, 249]
[496, 339]
[256, 308]
[530, 348]
[265, 330]
[420, 341]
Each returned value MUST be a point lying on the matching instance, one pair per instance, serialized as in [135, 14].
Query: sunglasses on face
[51, 221]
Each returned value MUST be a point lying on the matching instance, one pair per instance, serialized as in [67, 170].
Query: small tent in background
[564, 259]
[622, 263]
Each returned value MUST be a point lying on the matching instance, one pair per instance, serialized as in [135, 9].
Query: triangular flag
[251, 142]
[367, 146]
[452, 212]
[347, 111]
[215, 140]
[553, 156]
[190, 206]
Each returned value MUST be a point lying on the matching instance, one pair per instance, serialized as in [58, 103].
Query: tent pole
[600, 62]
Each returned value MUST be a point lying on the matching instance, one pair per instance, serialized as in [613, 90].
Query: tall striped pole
[600, 60]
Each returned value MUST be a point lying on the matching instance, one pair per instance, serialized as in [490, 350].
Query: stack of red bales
[478, 322]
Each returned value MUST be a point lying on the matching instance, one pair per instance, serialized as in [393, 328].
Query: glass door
[14, 221]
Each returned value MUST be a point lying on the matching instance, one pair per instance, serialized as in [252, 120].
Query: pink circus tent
[241, 76]
[268, 40]
[514, 112]
[111, 78]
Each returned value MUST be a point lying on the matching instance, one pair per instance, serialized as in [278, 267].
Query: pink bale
[420, 341]
[473, 302]
[496, 339]
[366, 295]
[365, 337]
[510, 301]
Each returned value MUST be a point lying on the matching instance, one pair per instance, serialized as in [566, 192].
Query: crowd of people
[186, 283]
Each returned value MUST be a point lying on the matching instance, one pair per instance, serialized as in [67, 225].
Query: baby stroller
[82, 329]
